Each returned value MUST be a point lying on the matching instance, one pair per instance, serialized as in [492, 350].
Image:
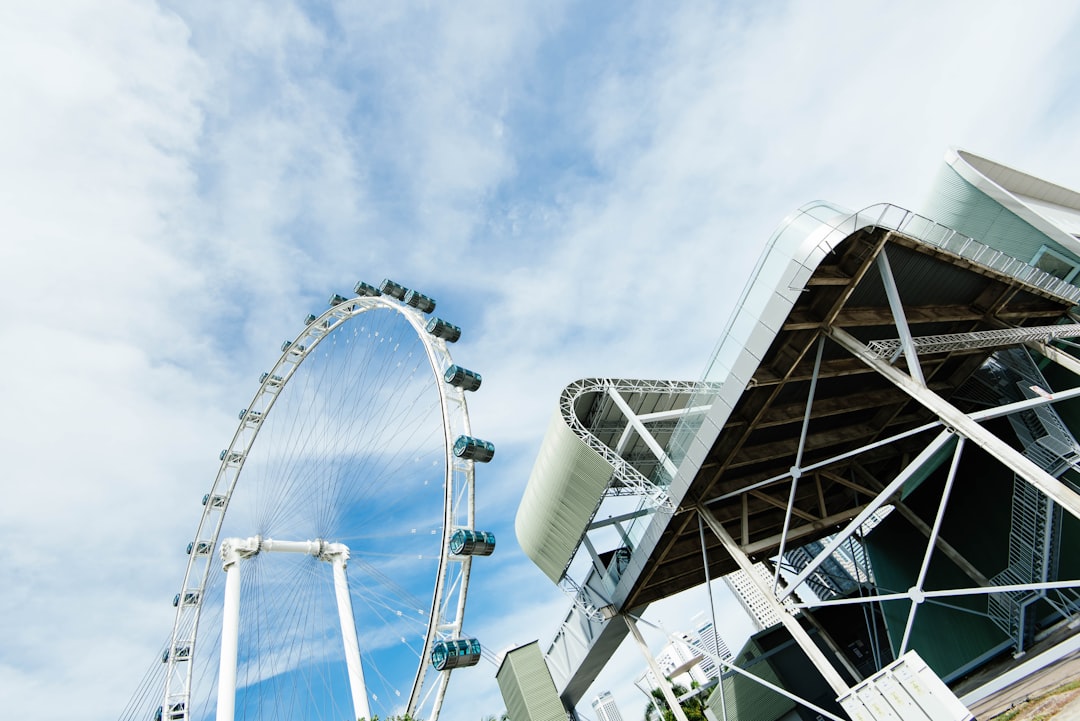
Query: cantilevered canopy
[592, 450]
[740, 462]
[566, 484]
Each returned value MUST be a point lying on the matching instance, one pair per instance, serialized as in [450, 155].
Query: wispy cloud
[583, 188]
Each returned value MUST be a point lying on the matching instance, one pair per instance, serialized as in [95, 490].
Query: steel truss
[627, 480]
[976, 339]
[957, 427]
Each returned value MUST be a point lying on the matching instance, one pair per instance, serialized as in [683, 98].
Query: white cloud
[584, 188]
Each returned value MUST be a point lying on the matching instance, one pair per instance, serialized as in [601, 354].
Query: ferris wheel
[328, 574]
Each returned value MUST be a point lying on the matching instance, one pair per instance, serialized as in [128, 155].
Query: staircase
[1034, 537]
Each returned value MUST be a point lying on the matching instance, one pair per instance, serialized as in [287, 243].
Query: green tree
[693, 707]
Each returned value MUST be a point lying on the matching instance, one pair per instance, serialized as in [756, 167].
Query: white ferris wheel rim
[445, 619]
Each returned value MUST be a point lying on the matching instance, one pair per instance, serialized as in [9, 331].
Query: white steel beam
[802, 638]
[953, 418]
[977, 339]
[930, 544]
[642, 431]
[796, 469]
[882, 498]
[665, 683]
[897, 308]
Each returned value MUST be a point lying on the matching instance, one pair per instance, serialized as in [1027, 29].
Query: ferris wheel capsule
[463, 378]
[474, 449]
[365, 290]
[467, 542]
[394, 290]
[441, 329]
[421, 302]
[457, 653]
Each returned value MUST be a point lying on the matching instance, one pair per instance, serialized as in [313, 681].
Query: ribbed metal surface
[527, 688]
[958, 204]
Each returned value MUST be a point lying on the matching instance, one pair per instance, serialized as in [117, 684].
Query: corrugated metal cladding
[747, 700]
[957, 204]
[923, 283]
[526, 686]
[567, 482]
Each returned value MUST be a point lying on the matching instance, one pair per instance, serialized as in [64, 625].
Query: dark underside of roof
[853, 405]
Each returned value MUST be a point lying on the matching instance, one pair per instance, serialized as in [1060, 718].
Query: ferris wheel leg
[348, 637]
[230, 631]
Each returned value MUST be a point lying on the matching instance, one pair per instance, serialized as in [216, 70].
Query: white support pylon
[233, 550]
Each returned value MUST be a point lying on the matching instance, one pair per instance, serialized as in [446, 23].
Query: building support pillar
[665, 684]
[965, 426]
[802, 638]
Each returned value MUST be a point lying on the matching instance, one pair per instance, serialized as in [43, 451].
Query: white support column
[232, 551]
[897, 308]
[952, 417]
[798, 633]
[916, 591]
[796, 469]
[665, 684]
[348, 636]
[642, 431]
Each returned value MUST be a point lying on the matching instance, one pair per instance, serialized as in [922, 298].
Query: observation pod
[441, 329]
[463, 378]
[363, 289]
[466, 542]
[474, 449]
[394, 290]
[336, 299]
[458, 653]
[286, 345]
[419, 301]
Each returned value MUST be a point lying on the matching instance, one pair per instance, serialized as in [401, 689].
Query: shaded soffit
[853, 406]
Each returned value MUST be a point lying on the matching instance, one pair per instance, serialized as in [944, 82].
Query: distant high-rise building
[833, 578]
[705, 639]
[605, 709]
[843, 572]
[760, 609]
[675, 663]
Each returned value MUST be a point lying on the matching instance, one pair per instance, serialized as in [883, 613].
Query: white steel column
[232, 550]
[798, 633]
[665, 684]
[897, 308]
[230, 630]
[952, 417]
[916, 591]
[348, 636]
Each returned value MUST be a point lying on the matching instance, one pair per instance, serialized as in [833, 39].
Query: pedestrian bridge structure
[877, 360]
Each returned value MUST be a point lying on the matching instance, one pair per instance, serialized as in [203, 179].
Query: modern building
[709, 645]
[526, 686]
[678, 661]
[605, 708]
[746, 586]
[877, 359]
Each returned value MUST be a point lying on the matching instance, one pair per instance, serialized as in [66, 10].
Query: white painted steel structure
[235, 550]
[806, 243]
[368, 427]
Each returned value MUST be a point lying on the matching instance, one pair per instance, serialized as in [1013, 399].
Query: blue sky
[585, 185]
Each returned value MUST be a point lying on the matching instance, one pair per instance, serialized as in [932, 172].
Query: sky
[584, 187]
